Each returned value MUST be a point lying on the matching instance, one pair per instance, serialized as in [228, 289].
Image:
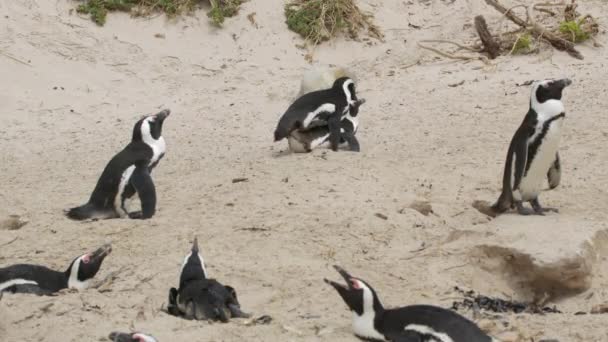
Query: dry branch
[537, 30]
[490, 45]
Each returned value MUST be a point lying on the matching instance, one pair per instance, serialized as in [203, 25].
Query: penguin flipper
[172, 307]
[554, 175]
[143, 184]
[334, 124]
[515, 167]
[404, 336]
[30, 288]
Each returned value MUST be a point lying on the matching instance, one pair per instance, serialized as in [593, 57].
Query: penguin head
[193, 267]
[358, 295]
[346, 86]
[149, 128]
[84, 268]
[135, 337]
[550, 89]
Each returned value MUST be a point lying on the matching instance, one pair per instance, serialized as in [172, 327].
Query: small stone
[423, 207]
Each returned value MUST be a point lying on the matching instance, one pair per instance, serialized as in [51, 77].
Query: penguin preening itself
[199, 297]
[130, 337]
[321, 108]
[127, 173]
[533, 155]
[40, 280]
[415, 323]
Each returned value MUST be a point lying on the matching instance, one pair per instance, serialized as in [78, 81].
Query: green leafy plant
[574, 30]
[98, 9]
[523, 44]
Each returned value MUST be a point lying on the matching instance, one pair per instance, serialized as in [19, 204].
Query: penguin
[199, 297]
[320, 108]
[301, 141]
[533, 152]
[130, 337]
[127, 173]
[40, 280]
[414, 323]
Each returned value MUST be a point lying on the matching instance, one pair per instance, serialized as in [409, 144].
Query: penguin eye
[355, 283]
[86, 259]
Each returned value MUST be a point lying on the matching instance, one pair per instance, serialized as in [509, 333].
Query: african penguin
[532, 156]
[415, 323]
[40, 280]
[199, 297]
[320, 108]
[127, 173]
[301, 141]
[130, 337]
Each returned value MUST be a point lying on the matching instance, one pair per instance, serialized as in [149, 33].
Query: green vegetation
[320, 20]
[574, 30]
[523, 44]
[98, 9]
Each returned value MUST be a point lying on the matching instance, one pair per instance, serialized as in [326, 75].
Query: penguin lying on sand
[199, 297]
[40, 280]
[415, 323]
[131, 337]
[326, 107]
[533, 154]
[128, 173]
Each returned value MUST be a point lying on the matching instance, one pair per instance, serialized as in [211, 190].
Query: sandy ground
[73, 106]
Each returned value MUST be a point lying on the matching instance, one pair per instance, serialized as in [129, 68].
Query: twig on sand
[15, 58]
[108, 279]
[8, 243]
[452, 56]
[537, 30]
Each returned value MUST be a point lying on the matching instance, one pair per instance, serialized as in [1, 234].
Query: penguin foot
[136, 215]
[539, 210]
[521, 210]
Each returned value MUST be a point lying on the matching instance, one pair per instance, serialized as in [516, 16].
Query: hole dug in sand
[541, 277]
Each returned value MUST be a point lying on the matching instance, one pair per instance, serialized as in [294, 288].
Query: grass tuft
[574, 31]
[98, 9]
[523, 44]
[321, 20]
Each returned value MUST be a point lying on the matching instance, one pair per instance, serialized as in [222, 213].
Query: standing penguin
[128, 173]
[199, 297]
[320, 108]
[533, 155]
[415, 323]
[40, 280]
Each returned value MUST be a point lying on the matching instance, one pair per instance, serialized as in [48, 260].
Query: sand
[73, 105]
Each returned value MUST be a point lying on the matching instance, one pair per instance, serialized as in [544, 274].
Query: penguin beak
[195, 245]
[163, 114]
[347, 277]
[102, 252]
[563, 83]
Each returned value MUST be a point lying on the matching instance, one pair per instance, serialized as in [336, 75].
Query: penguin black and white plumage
[415, 323]
[301, 141]
[130, 337]
[320, 108]
[40, 280]
[127, 173]
[533, 153]
[199, 297]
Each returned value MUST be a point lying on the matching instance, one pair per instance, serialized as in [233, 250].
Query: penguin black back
[421, 323]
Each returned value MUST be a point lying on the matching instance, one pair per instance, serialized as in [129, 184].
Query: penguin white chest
[158, 149]
[532, 182]
[363, 326]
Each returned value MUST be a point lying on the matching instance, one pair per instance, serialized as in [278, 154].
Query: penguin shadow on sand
[533, 155]
[128, 173]
[199, 297]
[326, 110]
[413, 323]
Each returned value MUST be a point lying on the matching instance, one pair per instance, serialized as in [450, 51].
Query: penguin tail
[81, 213]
